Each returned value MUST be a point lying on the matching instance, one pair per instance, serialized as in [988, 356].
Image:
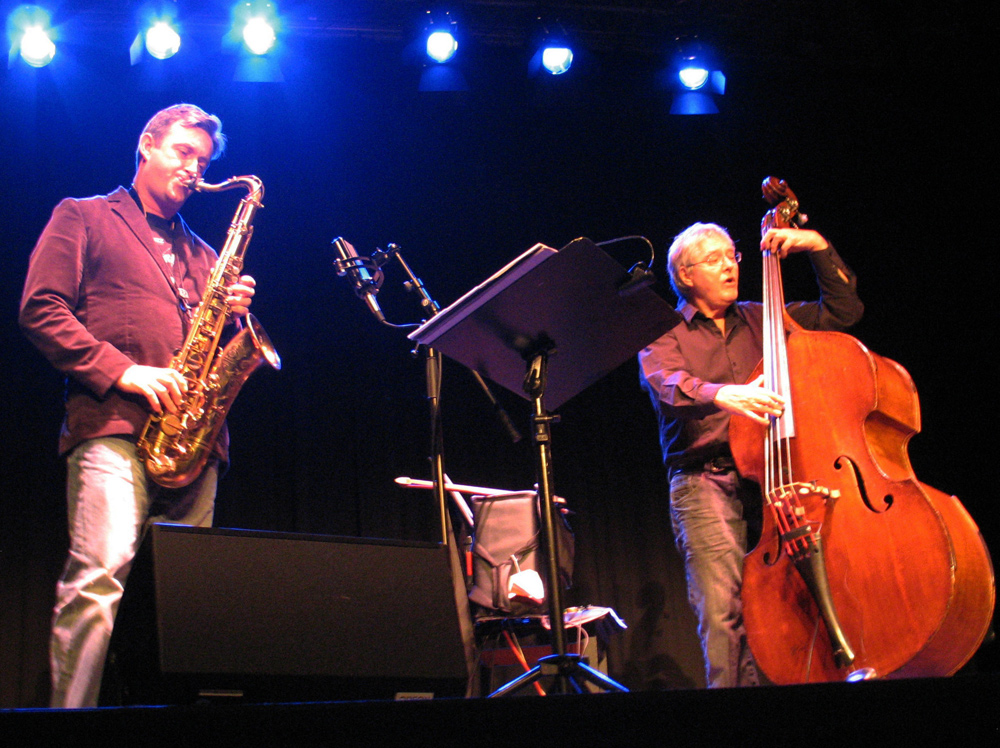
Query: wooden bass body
[911, 584]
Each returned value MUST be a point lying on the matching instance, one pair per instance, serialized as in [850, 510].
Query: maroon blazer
[98, 298]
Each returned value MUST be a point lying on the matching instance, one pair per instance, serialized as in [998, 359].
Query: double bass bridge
[798, 509]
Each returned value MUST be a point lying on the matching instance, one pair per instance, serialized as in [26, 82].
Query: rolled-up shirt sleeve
[678, 392]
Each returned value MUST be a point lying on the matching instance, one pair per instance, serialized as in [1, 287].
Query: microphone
[365, 284]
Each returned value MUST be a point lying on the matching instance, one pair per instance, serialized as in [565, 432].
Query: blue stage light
[259, 36]
[554, 48]
[31, 35]
[440, 32]
[255, 27]
[37, 49]
[557, 59]
[441, 46]
[162, 40]
[693, 77]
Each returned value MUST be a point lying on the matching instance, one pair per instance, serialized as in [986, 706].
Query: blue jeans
[109, 502]
[708, 517]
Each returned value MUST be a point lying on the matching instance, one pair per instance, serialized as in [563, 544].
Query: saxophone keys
[171, 424]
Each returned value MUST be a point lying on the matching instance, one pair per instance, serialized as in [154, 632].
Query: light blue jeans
[109, 502]
[707, 514]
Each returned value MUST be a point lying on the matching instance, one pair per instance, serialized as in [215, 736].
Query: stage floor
[918, 712]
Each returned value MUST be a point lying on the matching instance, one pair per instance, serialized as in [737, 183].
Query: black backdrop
[881, 149]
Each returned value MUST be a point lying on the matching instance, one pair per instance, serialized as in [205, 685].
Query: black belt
[717, 464]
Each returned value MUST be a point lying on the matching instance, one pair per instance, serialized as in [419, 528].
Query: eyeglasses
[715, 259]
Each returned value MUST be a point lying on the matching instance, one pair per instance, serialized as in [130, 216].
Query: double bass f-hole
[859, 481]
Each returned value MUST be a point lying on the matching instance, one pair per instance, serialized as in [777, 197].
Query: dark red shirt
[686, 367]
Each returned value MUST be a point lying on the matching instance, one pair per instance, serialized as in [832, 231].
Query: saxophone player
[111, 287]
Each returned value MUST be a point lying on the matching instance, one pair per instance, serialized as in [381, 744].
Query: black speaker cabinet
[259, 616]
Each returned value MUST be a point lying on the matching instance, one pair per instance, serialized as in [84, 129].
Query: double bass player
[696, 376]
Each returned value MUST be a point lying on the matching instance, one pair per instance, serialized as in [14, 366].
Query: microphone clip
[364, 273]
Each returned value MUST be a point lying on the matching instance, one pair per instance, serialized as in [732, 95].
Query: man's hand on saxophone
[162, 388]
[240, 295]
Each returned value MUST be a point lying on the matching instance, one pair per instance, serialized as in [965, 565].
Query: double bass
[862, 570]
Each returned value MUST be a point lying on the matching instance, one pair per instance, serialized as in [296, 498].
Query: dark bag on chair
[506, 541]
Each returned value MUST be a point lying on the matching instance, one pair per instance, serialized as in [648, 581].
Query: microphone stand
[366, 274]
[432, 376]
[367, 287]
[432, 369]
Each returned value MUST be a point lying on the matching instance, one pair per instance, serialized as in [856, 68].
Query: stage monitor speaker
[260, 616]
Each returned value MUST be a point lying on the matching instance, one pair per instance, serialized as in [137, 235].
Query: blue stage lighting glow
[441, 46]
[693, 78]
[557, 60]
[31, 35]
[162, 40]
[259, 35]
[442, 78]
[865, 673]
[719, 82]
[693, 102]
[37, 49]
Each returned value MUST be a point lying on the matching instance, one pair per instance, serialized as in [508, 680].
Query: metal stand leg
[568, 671]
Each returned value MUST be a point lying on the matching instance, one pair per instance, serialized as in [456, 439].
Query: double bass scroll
[862, 570]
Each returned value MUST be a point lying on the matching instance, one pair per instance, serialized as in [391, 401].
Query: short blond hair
[188, 115]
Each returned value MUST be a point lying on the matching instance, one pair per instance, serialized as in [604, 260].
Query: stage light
[31, 36]
[259, 36]
[557, 59]
[255, 28]
[442, 40]
[692, 64]
[162, 40]
[695, 78]
[255, 36]
[440, 43]
[37, 49]
[554, 52]
[441, 46]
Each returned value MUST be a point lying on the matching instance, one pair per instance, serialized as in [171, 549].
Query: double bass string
[779, 426]
[779, 481]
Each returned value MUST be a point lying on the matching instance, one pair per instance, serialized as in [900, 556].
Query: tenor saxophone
[175, 447]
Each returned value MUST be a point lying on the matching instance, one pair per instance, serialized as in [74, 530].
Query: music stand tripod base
[570, 669]
[572, 299]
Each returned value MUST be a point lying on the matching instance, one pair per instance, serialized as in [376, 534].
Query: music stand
[562, 315]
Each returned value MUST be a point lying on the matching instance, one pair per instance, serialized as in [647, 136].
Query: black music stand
[561, 314]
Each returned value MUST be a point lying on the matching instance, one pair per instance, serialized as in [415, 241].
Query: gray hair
[188, 115]
[684, 242]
